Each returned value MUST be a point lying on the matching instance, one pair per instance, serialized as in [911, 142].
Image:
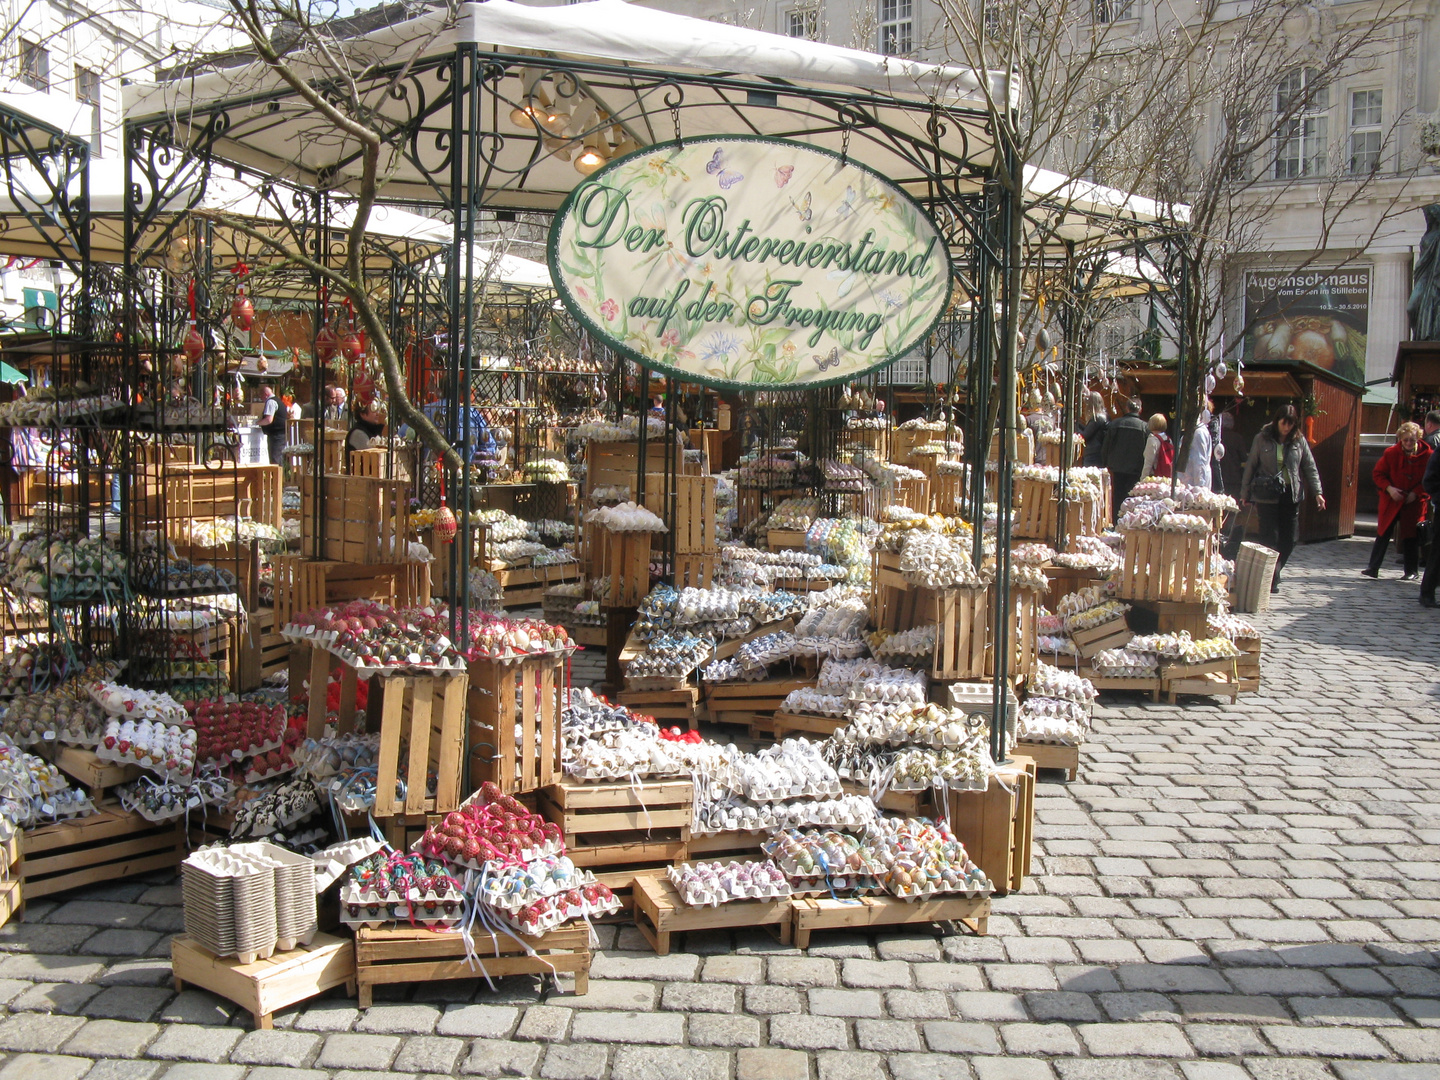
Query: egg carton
[513, 902]
[254, 776]
[558, 916]
[360, 906]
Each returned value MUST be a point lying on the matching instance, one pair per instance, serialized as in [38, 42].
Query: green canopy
[9, 374]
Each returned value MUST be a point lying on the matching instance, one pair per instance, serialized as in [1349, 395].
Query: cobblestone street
[1226, 891]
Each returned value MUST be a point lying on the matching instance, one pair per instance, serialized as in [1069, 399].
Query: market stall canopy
[643, 74]
[494, 270]
[21, 235]
[1063, 212]
[39, 116]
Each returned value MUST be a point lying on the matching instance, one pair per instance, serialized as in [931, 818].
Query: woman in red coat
[1402, 499]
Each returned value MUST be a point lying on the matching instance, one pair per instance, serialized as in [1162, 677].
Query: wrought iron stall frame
[454, 140]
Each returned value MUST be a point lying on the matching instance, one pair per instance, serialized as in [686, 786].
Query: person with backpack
[1124, 453]
[1159, 450]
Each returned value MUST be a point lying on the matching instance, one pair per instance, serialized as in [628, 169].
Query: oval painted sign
[748, 262]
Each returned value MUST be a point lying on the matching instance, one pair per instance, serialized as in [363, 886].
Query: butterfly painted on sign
[727, 178]
[802, 208]
[829, 360]
[783, 174]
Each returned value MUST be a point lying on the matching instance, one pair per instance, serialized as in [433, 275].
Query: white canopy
[620, 56]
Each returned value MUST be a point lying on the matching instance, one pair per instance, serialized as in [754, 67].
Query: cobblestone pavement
[1226, 892]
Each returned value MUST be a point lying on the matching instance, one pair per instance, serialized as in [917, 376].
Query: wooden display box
[625, 560]
[107, 846]
[667, 706]
[525, 586]
[614, 464]
[785, 539]
[616, 825]
[1149, 686]
[914, 493]
[996, 825]
[1065, 580]
[903, 442]
[202, 493]
[1192, 617]
[1212, 678]
[265, 987]
[382, 463]
[1114, 634]
[422, 728]
[302, 585]
[811, 914]
[404, 955]
[750, 703]
[1164, 565]
[366, 521]
[526, 695]
[895, 604]
[961, 634]
[1038, 513]
[784, 725]
[12, 892]
[1024, 611]
[93, 772]
[695, 517]
[951, 493]
[695, 571]
[1051, 756]
[659, 912]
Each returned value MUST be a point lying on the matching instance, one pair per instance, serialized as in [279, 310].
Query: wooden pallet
[422, 728]
[750, 703]
[266, 986]
[665, 705]
[93, 772]
[302, 584]
[996, 825]
[405, 955]
[961, 634]
[515, 712]
[659, 912]
[811, 914]
[617, 825]
[1051, 756]
[1164, 565]
[107, 846]
[1097, 639]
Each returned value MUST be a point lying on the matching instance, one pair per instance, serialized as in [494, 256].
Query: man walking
[1124, 453]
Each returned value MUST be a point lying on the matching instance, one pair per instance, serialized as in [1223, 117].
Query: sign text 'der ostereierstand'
[741, 261]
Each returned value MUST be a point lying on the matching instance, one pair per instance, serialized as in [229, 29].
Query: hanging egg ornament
[1221, 370]
[1239, 384]
[445, 524]
[1209, 384]
[194, 344]
[353, 346]
[242, 311]
[326, 344]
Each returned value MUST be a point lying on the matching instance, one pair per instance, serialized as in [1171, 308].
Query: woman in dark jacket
[1398, 475]
[1279, 460]
[1096, 421]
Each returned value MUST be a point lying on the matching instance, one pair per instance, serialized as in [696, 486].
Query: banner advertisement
[746, 262]
[1317, 317]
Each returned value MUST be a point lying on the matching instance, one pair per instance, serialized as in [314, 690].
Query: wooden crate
[667, 706]
[951, 493]
[1164, 565]
[12, 894]
[914, 493]
[996, 825]
[302, 585]
[1111, 635]
[619, 825]
[525, 586]
[1051, 756]
[903, 442]
[202, 493]
[695, 571]
[1217, 678]
[382, 463]
[366, 520]
[625, 560]
[422, 728]
[895, 604]
[961, 635]
[1065, 580]
[1024, 611]
[93, 772]
[749, 702]
[1192, 617]
[1103, 682]
[695, 516]
[1037, 515]
[1247, 664]
[614, 464]
[784, 725]
[107, 846]
[406, 955]
[785, 539]
[810, 914]
[266, 986]
[515, 712]
[659, 912]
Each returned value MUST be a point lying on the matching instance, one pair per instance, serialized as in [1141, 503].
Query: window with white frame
[897, 27]
[1366, 134]
[803, 22]
[1302, 110]
[1112, 11]
[87, 92]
